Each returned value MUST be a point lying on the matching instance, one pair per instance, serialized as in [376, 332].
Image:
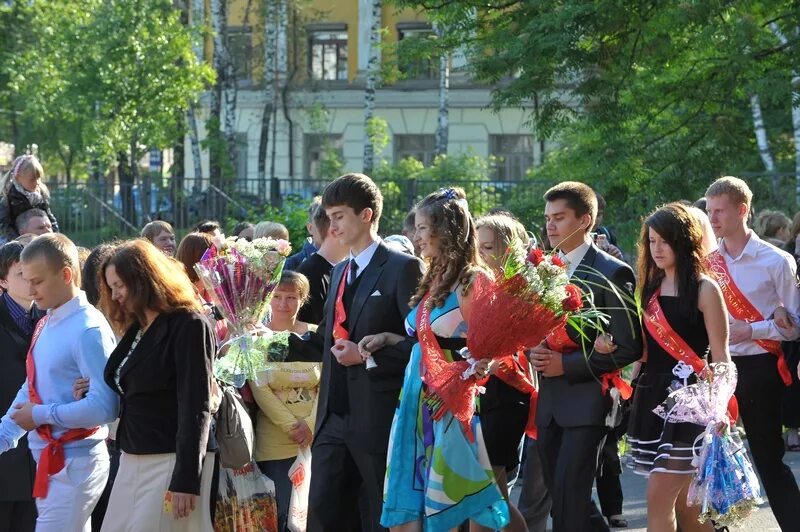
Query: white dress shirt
[363, 259]
[574, 257]
[766, 276]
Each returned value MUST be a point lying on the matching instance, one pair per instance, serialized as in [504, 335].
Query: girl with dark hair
[685, 319]
[161, 369]
[438, 476]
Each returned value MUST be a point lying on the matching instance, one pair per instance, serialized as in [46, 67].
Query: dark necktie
[351, 277]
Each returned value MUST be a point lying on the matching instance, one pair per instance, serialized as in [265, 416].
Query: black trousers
[18, 516]
[339, 472]
[759, 392]
[609, 487]
[569, 461]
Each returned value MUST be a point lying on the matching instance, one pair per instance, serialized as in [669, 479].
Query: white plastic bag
[300, 475]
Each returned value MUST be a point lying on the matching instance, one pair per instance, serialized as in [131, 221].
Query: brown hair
[458, 258]
[321, 222]
[356, 191]
[297, 282]
[10, 254]
[153, 281]
[682, 230]
[191, 250]
[58, 251]
[579, 197]
[736, 189]
[91, 271]
[271, 230]
[506, 230]
[155, 228]
[769, 223]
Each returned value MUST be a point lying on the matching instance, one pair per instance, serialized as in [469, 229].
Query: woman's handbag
[235, 436]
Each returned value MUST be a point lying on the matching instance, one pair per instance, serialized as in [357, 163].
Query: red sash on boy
[671, 342]
[559, 340]
[743, 310]
[339, 315]
[51, 461]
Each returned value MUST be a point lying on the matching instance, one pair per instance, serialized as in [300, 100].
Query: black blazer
[372, 394]
[17, 467]
[575, 398]
[166, 385]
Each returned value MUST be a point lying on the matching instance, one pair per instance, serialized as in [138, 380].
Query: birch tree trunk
[443, 123]
[762, 141]
[270, 45]
[198, 21]
[226, 78]
[373, 66]
[795, 110]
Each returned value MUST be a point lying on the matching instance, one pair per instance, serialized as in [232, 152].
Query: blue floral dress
[435, 474]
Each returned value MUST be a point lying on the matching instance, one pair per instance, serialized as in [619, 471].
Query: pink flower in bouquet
[555, 259]
[283, 247]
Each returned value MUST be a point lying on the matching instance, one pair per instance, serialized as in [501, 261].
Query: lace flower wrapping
[725, 487]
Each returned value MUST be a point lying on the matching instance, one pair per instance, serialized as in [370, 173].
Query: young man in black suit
[572, 407]
[17, 319]
[369, 294]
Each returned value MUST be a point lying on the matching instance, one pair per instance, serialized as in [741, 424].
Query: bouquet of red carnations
[240, 277]
[514, 310]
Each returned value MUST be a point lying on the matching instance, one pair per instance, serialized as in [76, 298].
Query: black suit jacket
[372, 394]
[575, 398]
[166, 386]
[17, 468]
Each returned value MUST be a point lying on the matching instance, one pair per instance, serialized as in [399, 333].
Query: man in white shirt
[66, 437]
[756, 279]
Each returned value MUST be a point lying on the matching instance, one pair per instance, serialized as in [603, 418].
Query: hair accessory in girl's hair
[21, 159]
[450, 194]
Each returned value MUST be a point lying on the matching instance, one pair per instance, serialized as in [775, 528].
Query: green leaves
[96, 74]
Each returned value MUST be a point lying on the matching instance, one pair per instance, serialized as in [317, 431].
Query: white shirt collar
[575, 257]
[363, 259]
[750, 249]
[67, 309]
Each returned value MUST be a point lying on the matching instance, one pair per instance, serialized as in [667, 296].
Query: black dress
[657, 445]
[503, 411]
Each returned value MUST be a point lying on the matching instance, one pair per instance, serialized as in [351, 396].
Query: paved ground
[635, 506]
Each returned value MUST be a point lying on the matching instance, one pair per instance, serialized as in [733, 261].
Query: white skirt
[137, 499]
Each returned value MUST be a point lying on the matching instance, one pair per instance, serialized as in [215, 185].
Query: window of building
[419, 147]
[319, 150]
[328, 54]
[514, 154]
[240, 46]
[414, 65]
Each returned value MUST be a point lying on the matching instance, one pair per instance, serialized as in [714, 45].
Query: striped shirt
[20, 316]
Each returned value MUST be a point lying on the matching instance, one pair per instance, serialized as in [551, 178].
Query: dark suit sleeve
[7, 231]
[193, 350]
[624, 326]
[392, 360]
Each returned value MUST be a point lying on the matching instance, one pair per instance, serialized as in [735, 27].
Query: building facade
[321, 60]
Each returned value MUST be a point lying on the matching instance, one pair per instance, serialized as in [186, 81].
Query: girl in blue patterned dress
[437, 475]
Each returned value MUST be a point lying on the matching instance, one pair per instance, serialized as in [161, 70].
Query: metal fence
[91, 212]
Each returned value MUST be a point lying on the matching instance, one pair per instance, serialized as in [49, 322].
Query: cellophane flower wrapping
[510, 311]
[725, 487]
[240, 277]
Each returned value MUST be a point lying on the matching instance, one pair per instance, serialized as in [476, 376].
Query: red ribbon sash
[51, 461]
[559, 340]
[743, 310]
[442, 378]
[662, 332]
[339, 315]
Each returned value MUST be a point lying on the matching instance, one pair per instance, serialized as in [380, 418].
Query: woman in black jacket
[162, 369]
[17, 318]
